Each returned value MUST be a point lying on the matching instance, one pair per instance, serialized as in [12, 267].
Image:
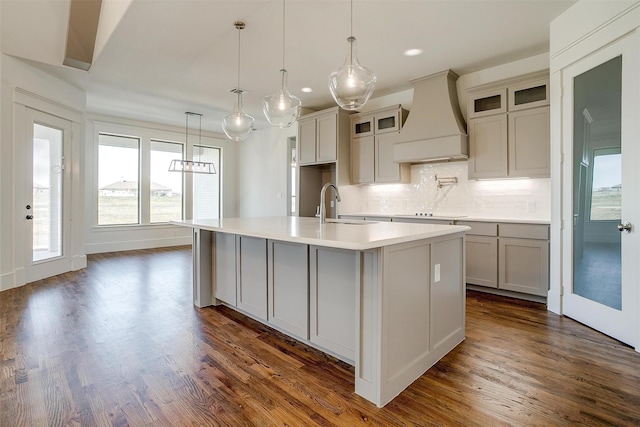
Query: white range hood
[434, 129]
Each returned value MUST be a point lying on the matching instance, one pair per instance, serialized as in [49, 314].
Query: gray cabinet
[524, 258]
[511, 257]
[372, 153]
[332, 300]
[252, 276]
[323, 156]
[482, 253]
[488, 151]
[224, 262]
[319, 135]
[288, 285]
[529, 148]
[509, 134]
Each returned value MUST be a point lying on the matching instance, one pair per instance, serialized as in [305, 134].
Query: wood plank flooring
[120, 344]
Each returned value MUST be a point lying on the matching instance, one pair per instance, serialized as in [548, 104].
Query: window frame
[595, 152]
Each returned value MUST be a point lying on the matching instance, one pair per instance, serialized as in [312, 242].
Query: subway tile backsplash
[519, 198]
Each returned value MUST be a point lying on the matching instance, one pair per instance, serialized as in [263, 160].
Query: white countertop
[354, 235]
[454, 217]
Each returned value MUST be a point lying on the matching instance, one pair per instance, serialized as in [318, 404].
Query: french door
[45, 199]
[601, 148]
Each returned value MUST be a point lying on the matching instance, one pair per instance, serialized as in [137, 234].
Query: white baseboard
[78, 262]
[6, 282]
[97, 248]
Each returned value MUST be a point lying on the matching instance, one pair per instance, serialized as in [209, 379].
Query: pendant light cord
[239, 28]
[283, 30]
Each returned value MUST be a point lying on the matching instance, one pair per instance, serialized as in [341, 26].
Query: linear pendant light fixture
[237, 125]
[282, 109]
[352, 84]
[182, 165]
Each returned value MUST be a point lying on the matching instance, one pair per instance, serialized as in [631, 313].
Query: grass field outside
[606, 205]
[122, 210]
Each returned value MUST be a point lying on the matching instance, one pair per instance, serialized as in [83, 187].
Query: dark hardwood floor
[120, 343]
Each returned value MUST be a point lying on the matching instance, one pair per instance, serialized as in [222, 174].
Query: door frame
[23, 100]
[628, 47]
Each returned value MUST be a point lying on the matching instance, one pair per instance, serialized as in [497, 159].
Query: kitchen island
[388, 298]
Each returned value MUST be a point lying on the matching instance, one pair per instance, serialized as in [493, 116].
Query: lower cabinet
[252, 276]
[332, 287]
[524, 260]
[512, 257]
[288, 286]
[482, 260]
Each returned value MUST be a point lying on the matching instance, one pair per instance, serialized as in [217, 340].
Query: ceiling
[159, 58]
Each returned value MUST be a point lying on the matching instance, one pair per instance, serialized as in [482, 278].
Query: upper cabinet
[320, 134]
[509, 133]
[323, 157]
[372, 153]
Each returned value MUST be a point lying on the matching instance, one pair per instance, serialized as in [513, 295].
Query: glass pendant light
[282, 109]
[352, 84]
[237, 125]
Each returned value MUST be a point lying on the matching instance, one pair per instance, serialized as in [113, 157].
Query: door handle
[625, 227]
[29, 217]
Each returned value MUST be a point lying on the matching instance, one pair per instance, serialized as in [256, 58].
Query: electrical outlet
[436, 273]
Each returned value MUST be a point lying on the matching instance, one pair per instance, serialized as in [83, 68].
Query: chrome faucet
[323, 211]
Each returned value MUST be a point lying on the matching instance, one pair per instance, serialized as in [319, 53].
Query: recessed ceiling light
[413, 52]
[306, 89]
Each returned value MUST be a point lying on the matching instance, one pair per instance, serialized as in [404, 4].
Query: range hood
[434, 129]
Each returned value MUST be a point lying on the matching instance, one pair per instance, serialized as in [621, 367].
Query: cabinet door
[289, 287]
[488, 147]
[523, 265]
[389, 122]
[361, 126]
[487, 103]
[224, 264]
[482, 260]
[386, 170]
[332, 284]
[529, 95]
[327, 138]
[362, 160]
[529, 148]
[252, 276]
[307, 141]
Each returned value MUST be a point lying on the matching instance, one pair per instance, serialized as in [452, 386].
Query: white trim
[78, 262]
[127, 245]
[46, 105]
[7, 282]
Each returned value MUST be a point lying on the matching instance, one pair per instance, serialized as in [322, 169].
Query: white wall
[263, 166]
[528, 198]
[47, 90]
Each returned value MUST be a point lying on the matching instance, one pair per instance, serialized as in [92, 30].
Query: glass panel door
[44, 193]
[600, 141]
[47, 191]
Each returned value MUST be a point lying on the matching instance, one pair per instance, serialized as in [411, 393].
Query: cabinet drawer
[480, 228]
[524, 231]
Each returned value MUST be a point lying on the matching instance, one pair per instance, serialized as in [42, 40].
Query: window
[206, 187]
[606, 191]
[133, 182]
[165, 187]
[118, 180]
